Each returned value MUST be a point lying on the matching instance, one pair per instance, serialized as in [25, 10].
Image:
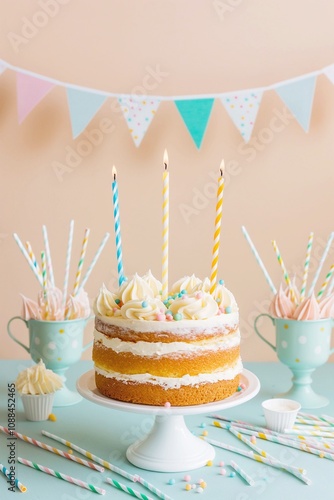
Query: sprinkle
[169, 317]
[187, 478]
[221, 463]
[70, 452]
[200, 481]
[205, 433]
[161, 317]
[242, 385]
[239, 388]
[221, 282]
[223, 472]
[184, 292]
[178, 316]
[179, 295]
[167, 404]
[228, 309]
[218, 299]
[232, 474]
[193, 486]
[222, 309]
[203, 484]
[188, 487]
[199, 489]
[174, 296]
[253, 439]
[52, 417]
[144, 303]
[199, 295]
[203, 425]
[169, 312]
[117, 301]
[209, 463]
[171, 481]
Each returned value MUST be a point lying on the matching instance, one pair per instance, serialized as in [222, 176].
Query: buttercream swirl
[326, 306]
[199, 305]
[105, 303]
[187, 283]
[281, 306]
[147, 309]
[153, 283]
[307, 310]
[30, 309]
[135, 289]
[221, 294]
[38, 380]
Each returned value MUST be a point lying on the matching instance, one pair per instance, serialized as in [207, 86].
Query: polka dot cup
[59, 344]
[302, 346]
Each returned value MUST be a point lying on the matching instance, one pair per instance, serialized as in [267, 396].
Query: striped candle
[285, 273]
[61, 475]
[321, 263]
[26, 256]
[18, 484]
[259, 260]
[165, 227]
[325, 283]
[81, 261]
[67, 264]
[306, 266]
[216, 236]
[127, 489]
[117, 222]
[242, 473]
[48, 256]
[32, 257]
[92, 264]
[45, 285]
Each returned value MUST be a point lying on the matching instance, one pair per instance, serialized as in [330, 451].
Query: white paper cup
[280, 414]
[37, 407]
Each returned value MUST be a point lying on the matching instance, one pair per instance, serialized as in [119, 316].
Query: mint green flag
[195, 114]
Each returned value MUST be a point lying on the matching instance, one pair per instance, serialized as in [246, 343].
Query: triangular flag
[83, 107]
[242, 108]
[30, 91]
[195, 114]
[298, 97]
[2, 68]
[329, 72]
[138, 113]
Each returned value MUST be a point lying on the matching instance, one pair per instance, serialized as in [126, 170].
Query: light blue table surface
[107, 433]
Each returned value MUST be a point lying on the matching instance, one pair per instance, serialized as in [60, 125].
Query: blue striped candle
[119, 253]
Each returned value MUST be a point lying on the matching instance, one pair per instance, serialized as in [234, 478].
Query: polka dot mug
[302, 346]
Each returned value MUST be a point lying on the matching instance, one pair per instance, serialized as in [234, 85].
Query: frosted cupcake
[37, 386]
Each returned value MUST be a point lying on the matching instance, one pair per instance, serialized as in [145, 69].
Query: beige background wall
[280, 186]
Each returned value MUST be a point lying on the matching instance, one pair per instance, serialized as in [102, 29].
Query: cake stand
[169, 446]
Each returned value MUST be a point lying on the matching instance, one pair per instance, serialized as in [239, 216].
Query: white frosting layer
[148, 349]
[176, 383]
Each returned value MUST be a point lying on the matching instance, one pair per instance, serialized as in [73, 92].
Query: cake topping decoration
[135, 289]
[185, 284]
[194, 307]
[308, 309]
[154, 284]
[106, 302]
[38, 380]
[133, 309]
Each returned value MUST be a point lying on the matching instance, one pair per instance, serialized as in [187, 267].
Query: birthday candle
[119, 252]
[48, 256]
[306, 266]
[216, 238]
[45, 289]
[165, 227]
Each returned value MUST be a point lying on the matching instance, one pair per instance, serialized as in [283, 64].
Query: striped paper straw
[306, 266]
[81, 261]
[46, 447]
[327, 418]
[305, 421]
[45, 285]
[259, 260]
[305, 427]
[254, 456]
[48, 256]
[242, 473]
[310, 433]
[325, 283]
[165, 228]
[216, 236]
[92, 264]
[330, 287]
[26, 256]
[285, 272]
[67, 264]
[32, 257]
[127, 489]
[117, 224]
[108, 465]
[321, 263]
[310, 416]
[61, 475]
[18, 485]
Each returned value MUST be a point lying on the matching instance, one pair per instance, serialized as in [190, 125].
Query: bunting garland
[241, 105]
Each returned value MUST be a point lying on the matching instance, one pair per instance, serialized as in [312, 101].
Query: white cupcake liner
[37, 407]
[280, 414]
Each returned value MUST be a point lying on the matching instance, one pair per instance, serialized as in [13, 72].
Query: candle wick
[114, 177]
[165, 164]
[221, 172]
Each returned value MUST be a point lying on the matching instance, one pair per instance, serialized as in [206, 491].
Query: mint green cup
[59, 344]
[303, 346]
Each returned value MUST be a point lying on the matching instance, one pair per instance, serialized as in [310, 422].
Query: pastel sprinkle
[199, 489]
[178, 316]
[205, 433]
[223, 472]
[242, 385]
[169, 312]
[144, 303]
[169, 317]
[117, 301]
[221, 463]
[179, 295]
[232, 474]
[209, 463]
[203, 425]
[187, 478]
[253, 439]
[218, 299]
[228, 309]
[171, 481]
[52, 417]
[203, 484]
[193, 486]
[221, 282]
[184, 292]
[199, 295]
[188, 487]
[239, 388]
[70, 452]
[167, 404]
[161, 317]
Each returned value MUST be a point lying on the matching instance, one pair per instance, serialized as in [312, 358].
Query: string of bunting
[241, 105]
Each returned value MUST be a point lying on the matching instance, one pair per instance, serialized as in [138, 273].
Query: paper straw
[48, 256]
[67, 265]
[18, 485]
[127, 489]
[216, 236]
[81, 261]
[321, 263]
[305, 421]
[135, 478]
[310, 433]
[32, 257]
[285, 272]
[306, 266]
[61, 475]
[242, 473]
[117, 224]
[92, 264]
[254, 456]
[259, 260]
[325, 283]
[305, 427]
[327, 418]
[165, 228]
[310, 416]
[46, 447]
[330, 286]
[26, 256]
[45, 285]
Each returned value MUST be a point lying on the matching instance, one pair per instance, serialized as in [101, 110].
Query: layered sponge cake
[183, 351]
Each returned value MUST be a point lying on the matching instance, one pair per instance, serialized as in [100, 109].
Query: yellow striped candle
[285, 273]
[216, 237]
[165, 227]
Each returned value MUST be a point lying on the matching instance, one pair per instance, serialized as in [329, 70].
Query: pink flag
[30, 91]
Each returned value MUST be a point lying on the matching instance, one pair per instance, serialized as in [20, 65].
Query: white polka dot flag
[138, 113]
[242, 108]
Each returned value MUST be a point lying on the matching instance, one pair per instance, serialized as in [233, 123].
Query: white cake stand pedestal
[169, 446]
